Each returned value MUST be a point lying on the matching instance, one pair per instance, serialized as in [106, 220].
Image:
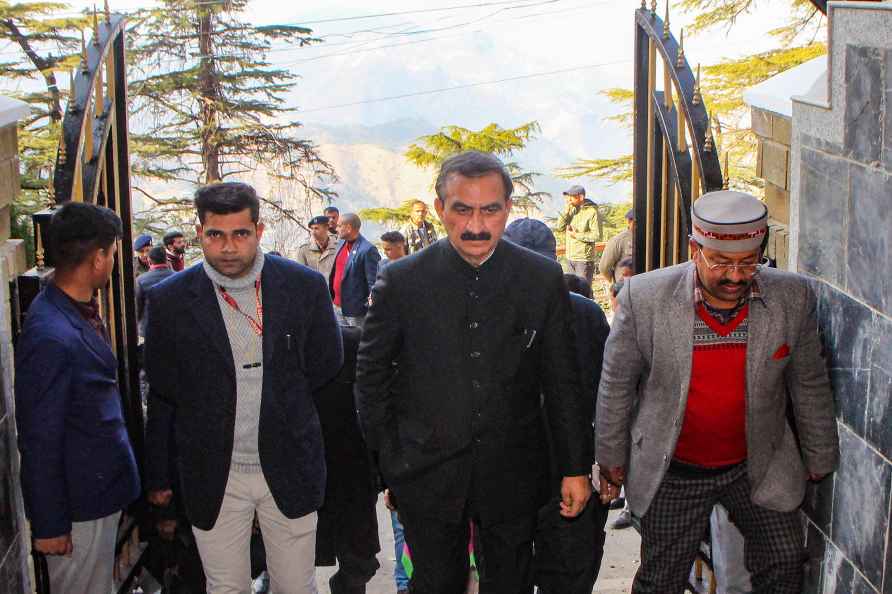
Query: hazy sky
[447, 48]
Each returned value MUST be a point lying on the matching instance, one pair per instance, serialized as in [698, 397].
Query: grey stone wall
[842, 194]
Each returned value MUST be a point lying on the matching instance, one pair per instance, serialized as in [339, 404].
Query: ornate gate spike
[698, 98]
[679, 59]
[84, 65]
[666, 30]
[643, 4]
[707, 141]
[95, 27]
[653, 8]
[38, 251]
[107, 13]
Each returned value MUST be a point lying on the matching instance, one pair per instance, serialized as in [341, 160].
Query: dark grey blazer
[646, 376]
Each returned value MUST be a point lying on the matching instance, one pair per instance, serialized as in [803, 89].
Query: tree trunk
[207, 84]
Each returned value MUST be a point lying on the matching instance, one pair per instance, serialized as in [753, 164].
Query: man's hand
[575, 492]
[167, 529]
[611, 481]
[59, 545]
[161, 497]
[389, 502]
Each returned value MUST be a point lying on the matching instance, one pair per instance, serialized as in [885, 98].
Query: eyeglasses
[747, 269]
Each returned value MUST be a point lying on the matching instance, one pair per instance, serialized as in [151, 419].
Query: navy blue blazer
[191, 415]
[359, 276]
[77, 462]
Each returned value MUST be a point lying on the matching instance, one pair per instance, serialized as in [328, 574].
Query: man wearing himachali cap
[711, 350]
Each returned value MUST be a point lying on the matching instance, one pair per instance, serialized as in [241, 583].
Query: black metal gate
[93, 165]
[675, 157]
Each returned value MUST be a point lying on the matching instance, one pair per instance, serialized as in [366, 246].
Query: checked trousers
[677, 521]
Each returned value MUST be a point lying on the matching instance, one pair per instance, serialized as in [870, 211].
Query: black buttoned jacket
[454, 367]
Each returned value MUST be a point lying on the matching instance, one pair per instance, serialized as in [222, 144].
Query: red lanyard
[257, 324]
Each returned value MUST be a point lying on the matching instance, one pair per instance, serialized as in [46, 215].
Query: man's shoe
[618, 503]
[623, 520]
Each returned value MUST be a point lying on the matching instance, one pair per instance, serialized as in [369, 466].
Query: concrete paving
[621, 559]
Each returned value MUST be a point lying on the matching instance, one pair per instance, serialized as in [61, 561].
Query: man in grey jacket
[700, 364]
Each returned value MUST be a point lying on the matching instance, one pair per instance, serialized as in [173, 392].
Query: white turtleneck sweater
[247, 350]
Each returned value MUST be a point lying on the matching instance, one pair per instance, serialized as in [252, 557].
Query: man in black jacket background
[569, 550]
[475, 330]
[348, 523]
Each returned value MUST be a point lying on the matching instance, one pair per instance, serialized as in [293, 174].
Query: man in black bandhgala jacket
[472, 331]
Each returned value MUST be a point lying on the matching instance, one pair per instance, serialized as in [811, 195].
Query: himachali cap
[318, 220]
[729, 221]
[575, 191]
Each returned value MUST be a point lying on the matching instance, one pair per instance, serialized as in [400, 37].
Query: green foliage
[614, 170]
[802, 16]
[430, 152]
[394, 218]
[722, 89]
[40, 45]
[614, 215]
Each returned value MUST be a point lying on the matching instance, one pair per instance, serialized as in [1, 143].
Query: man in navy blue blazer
[235, 347]
[354, 272]
[78, 470]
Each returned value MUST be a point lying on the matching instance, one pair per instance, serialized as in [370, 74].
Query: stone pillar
[841, 215]
[13, 545]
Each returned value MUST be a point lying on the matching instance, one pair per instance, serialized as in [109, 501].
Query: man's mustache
[482, 236]
[726, 282]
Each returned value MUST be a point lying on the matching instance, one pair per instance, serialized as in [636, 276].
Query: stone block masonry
[13, 533]
[841, 236]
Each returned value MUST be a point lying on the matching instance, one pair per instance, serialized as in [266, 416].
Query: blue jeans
[399, 541]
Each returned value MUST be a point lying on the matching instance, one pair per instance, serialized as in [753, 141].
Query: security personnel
[320, 249]
[617, 249]
[460, 342]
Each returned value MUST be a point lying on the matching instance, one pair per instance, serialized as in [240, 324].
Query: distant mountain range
[374, 172]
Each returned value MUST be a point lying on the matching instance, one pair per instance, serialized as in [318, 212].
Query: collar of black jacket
[492, 266]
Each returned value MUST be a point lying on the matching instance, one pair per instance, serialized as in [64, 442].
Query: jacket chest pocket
[520, 352]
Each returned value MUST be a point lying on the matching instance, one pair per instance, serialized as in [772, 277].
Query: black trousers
[569, 550]
[347, 532]
[678, 518]
[439, 549]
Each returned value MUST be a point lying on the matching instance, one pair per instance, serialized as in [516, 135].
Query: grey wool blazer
[646, 376]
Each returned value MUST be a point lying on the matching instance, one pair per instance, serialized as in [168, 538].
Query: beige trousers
[225, 549]
[91, 565]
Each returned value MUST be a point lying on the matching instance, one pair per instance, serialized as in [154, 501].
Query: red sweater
[340, 266]
[714, 429]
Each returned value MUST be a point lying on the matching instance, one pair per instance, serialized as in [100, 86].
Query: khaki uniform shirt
[320, 260]
[617, 249]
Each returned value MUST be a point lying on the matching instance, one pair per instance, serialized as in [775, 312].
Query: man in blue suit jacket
[354, 272]
[235, 347]
[78, 470]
